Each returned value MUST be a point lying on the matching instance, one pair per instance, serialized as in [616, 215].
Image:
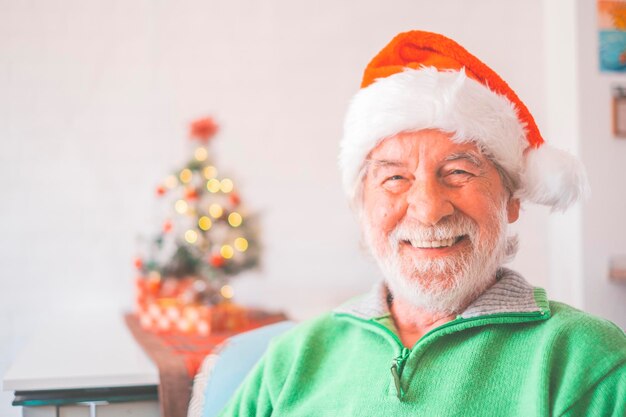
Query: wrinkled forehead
[432, 145]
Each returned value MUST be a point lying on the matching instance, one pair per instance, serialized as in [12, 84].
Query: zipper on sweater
[398, 363]
[396, 371]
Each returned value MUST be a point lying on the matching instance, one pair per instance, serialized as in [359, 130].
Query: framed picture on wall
[617, 268]
[612, 35]
[619, 112]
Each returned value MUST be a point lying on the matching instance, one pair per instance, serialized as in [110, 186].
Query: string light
[145, 321]
[213, 185]
[209, 172]
[201, 154]
[204, 223]
[184, 325]
[154, 311]
[226, 185]
[203, 327]
[185, 175]
[181, 206]
[234, 219]
[227, 251]
[241, 244]
[191, 314]
[227, 292]
[191, 236]
[172, 312]
[171, 181]
[164, 323]
[215, 210]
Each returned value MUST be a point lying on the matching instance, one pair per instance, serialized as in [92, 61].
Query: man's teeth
[433, 243]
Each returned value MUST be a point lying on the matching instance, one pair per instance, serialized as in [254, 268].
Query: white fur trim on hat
[426, 98]
[553, 177]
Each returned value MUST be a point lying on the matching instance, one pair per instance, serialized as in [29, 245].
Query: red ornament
[203, 129]
[153, 286]
[167, 226]
[140, 282]
[217, 260]
[138, 263]
[191, 193]
[234, 199]
[160, 190]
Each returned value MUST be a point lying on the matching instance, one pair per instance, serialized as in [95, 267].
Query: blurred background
[96, 97]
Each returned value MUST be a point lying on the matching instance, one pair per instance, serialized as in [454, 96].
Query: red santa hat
[423, 80]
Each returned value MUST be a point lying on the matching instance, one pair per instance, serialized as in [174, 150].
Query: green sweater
[510, 353]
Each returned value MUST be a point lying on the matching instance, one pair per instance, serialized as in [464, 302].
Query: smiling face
[434, 214]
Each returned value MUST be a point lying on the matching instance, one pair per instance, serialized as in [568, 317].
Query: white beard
[445, 284]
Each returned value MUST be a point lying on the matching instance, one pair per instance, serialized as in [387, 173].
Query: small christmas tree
[206, 238]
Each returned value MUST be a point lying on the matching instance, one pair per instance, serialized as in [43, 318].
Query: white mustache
[451, 228]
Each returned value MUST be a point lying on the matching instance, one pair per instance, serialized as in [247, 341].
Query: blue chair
[224, 370]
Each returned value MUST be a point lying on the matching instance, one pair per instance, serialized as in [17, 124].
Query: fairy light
[145, 321]
[227, 292]
[241, 244]
[181, 206]
[226, 185]
[191, 236]
[203, 327]
[191, 314]
[172, 312]
[234, 219]
[209, 172]
[171, 181]
[213, 185]
[201, 154]
[154, 311]
[204, 223]
[185, 175]
[215, 210]
[164, 323]
[227, 251]
[183, 325]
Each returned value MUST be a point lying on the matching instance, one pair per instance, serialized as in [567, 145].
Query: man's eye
[458, 172]
[395, 183]
[457, 177]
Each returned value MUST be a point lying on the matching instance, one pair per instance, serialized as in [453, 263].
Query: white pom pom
[553, 177]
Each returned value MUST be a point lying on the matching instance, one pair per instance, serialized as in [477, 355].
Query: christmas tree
[206, 237]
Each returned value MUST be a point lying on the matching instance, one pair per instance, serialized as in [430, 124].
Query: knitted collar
[510, 294]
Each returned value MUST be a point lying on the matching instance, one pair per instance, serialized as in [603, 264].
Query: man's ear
[512, 209]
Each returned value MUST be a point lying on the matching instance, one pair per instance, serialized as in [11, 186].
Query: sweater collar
[510, 294]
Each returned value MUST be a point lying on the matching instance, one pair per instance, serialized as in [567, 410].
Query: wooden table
[178, 356]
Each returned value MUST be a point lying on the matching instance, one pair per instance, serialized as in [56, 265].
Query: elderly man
[438, 151]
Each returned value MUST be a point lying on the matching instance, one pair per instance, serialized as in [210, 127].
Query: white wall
[579, 112]
[562, 130]
[95, 97]
[604, 221]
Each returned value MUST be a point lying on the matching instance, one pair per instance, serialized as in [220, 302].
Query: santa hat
[423, 80]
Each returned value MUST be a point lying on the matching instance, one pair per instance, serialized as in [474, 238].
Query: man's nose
[428, 202]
